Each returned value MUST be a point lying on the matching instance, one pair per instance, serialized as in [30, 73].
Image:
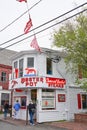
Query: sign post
[26, 116]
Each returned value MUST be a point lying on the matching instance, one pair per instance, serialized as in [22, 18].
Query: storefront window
[4, 97]
[48, 99]
[84, 101]
[22, 101]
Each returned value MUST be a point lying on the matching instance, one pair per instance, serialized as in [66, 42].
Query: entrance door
[34, 99]
[34, 95]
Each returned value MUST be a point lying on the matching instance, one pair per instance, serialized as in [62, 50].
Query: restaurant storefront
[46, 93]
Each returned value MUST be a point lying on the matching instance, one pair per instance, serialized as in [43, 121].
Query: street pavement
[11, 124]
[8, 126]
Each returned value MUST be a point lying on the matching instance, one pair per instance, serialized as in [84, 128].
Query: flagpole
[28, 9]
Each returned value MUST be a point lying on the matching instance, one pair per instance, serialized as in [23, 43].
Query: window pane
[23, 101]
[30, 62]
[48, 99]
[3, 76]
[84, 101]
[21, 68]
[49, 66]
[16, 64]
[4, 97]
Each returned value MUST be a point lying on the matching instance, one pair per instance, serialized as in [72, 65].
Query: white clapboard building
[43, 78]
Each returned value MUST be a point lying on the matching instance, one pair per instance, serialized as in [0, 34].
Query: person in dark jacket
[6, 108]
[31, 108]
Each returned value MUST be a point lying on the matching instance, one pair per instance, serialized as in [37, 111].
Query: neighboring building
[5, 70]
[43, 78]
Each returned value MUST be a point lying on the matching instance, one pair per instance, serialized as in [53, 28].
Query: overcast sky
[44, 11]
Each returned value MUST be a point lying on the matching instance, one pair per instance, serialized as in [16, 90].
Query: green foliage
[72, 36]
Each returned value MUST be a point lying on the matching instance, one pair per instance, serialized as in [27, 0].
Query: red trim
[61, 98]
[18, 90]
[16, 73]
[79, 101]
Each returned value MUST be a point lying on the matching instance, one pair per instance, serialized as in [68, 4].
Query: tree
[72, 36]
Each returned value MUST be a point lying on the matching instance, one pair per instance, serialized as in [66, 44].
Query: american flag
[22, 0]
[35, 45]
[28, 26]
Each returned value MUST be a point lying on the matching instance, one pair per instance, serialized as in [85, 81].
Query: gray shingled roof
[5, 55]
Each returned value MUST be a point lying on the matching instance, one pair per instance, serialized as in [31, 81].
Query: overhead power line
[44, 29]
[20, 16]
[44, 23]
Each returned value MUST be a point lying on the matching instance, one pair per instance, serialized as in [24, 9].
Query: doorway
[34, 95]
[34, 99]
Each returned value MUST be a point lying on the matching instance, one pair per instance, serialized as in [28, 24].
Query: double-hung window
[21, 62]
[49, 66]
[30, 62]
[3, 76]
[15, 64]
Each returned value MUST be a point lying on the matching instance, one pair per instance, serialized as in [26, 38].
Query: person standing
[31, 108]
[16, 107]
[6, 108]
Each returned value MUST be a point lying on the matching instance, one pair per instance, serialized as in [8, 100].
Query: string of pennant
[27, 28]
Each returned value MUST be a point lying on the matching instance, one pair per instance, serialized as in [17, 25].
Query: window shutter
[79, 101]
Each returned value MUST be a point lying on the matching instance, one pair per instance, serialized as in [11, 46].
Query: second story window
[3, 76]
[21, 68]
[49, 66]
[15, 67]
[30, 62]
[15, 64]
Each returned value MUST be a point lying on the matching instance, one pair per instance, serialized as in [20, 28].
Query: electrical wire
[44, 29]
[44, 23]
[20, 16]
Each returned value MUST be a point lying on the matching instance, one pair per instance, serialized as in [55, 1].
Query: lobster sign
[30, 71]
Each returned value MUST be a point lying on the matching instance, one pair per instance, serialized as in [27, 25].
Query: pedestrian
[10, 110]
[6, 108]
[31, 108]
[16, 107]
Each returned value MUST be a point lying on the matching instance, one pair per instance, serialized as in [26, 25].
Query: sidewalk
[12, 121]
[68, 125]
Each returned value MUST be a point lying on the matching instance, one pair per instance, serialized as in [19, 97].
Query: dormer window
[49, 66]
[30, 62]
